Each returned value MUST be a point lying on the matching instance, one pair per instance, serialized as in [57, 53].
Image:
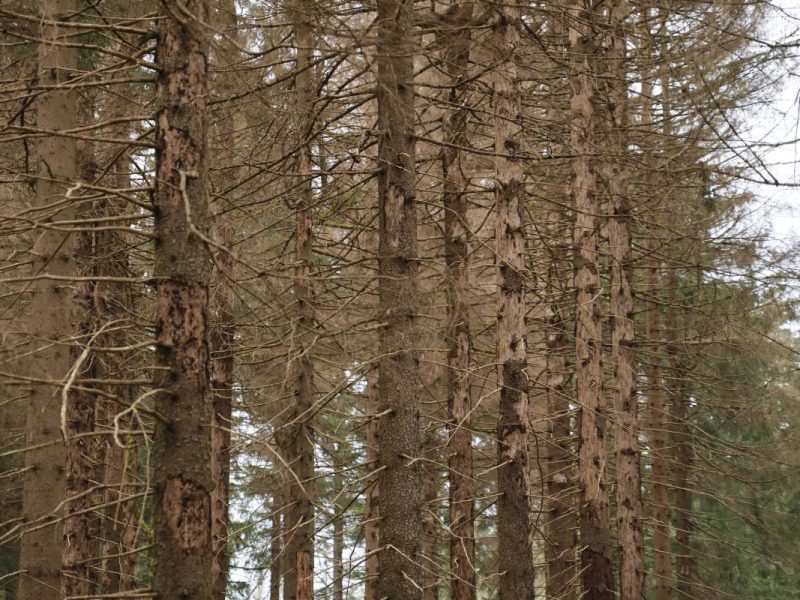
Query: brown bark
[430, 494]
[182, 449]
[597, 577]
[81, 526]
[51, 313]
[299, 547]
[626, 424]
[338, 542]
[457, 43]
[223, 326]
[513, 506]
[560, 502]
[275, 550]
[371, 509]
[399, 575]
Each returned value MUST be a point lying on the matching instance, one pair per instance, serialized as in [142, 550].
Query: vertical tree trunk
[658, 437]
[223, 326]
[182, 450]
[399, 576]
[461, 491]
[81, 526]
[371, 510]
[275, 550]
[626, 424]
[513, 506]
[685, 565]
[338, 543]
[430, 493]
[300, 543]
[560, 503]
[597, 575]
[51, 312]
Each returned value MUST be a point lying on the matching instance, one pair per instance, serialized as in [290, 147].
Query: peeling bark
[513, 506]
[597, 576]
[182, 450]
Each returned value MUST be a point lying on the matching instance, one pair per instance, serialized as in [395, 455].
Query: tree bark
[371, 509]
[81, 526]
[51, 312]
[275, 550]
[626, 425]
[458, 41]
[300, 526]
[399, 575]
[513, 506]
[597, 577]
[183, 563]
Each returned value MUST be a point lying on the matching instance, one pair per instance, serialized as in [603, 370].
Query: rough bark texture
[223, 326]
[371, 510]
[458, 40]
[626, 424]
[300, 523]
[182, 450]
[51, 311]
[513, 506]
[399, 575]
[597, 577]
[561, 540]
[430, 494]
[561, 500]
[81, 526]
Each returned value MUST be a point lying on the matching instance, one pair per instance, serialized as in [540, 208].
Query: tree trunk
[458, 41]
[275, 550]
[182, 450]
[626, 425]
[430, 494]
[51, 313]
[81, 526]
[300, 525]
[513, 505]
[371, 509]
[399, 576]
[597, 577]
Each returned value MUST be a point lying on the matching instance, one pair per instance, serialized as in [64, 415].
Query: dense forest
[397, 300]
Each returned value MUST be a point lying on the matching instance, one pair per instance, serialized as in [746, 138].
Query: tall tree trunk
[560, 502]
[372, 504]
[182, 450]
[399, 576]
[457, 45]
[513, 507]
[597, 577]
[680, 435]
[275, 550]
[430, 493]
[338, 541]
[223, 326]
[51, 313]
[626, 424]
[300, 541]
[81, 526]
